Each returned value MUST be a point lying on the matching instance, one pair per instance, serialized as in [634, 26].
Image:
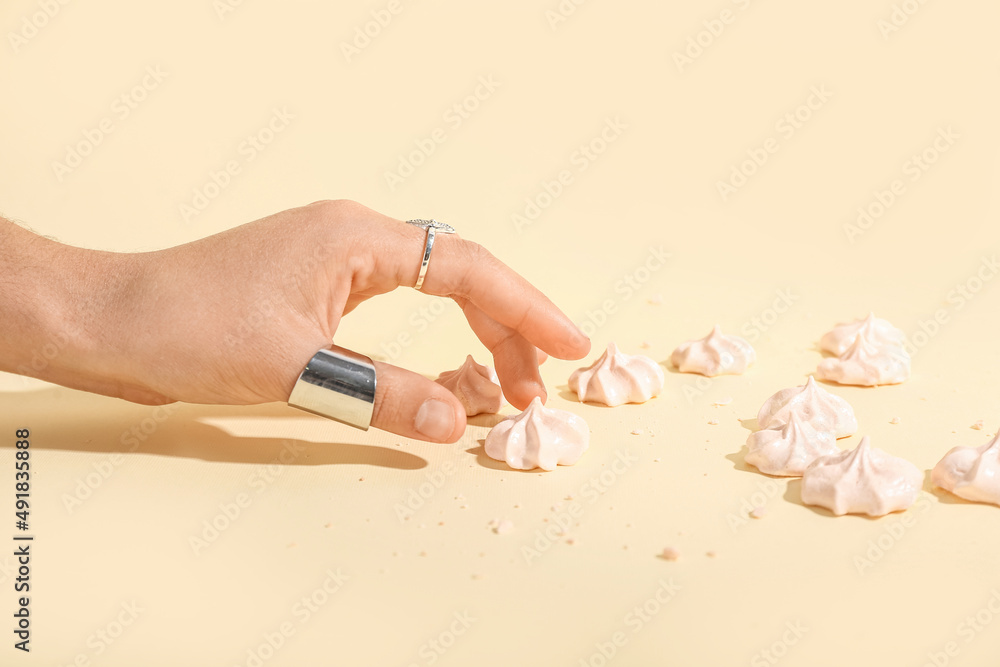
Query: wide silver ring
[338, 384]
[433, 227]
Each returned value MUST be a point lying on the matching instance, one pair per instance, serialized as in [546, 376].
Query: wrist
[67, 316]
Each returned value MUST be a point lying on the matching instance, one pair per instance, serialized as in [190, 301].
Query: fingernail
[435, 419]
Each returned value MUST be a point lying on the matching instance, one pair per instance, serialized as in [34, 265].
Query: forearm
[62, 311]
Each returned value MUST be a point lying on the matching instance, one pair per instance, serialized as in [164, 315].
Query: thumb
[412, 406]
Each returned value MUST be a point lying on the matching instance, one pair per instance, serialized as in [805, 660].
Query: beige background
[332, 505]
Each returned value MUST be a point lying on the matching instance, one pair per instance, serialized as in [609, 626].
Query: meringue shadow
[793, 494]
[750, 424]
[485, 461]
[487, 420]
[943, 496]
[567, 394]
[739, 462]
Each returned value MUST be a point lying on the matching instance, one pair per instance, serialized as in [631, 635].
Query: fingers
[412, 406]
[465, 270]
[515, 358]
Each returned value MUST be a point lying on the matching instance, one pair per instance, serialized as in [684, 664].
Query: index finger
[466, 270]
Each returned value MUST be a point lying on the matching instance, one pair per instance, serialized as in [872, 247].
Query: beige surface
[332, 506]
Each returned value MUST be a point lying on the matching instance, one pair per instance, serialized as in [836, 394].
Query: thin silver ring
[338, 384]
[433, 227]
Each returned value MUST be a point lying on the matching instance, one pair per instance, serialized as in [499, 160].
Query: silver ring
[433, 227]
[338, 384]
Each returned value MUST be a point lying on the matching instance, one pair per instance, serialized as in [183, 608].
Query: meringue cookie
[879, 331]
[823, 410]
[786, 451]
[866, 364]
[715, 354]
[539, 437]
[972, 473]
[475, 385]
[864, 480]
[618, 378]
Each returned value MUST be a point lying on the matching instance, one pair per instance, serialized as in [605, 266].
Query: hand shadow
[210, 433]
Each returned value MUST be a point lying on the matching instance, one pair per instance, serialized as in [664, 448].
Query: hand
[235, 317]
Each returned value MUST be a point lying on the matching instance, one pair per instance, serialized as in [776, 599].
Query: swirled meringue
[787, 450]
[864, 480]
[618, 378]
[715, 354]
[475, 385]
[539, 437]
[880, 332]
[972, 473]
[823, 410]
[867, 364]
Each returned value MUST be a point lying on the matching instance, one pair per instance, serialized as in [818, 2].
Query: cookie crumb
[713, 422]
[672, 554]
[894, 420]
[501, 526]
[636, 431]
[645, 345]
[758, 512]
[655, 300]
[978, 426]
[723, 402]
[712, 554]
